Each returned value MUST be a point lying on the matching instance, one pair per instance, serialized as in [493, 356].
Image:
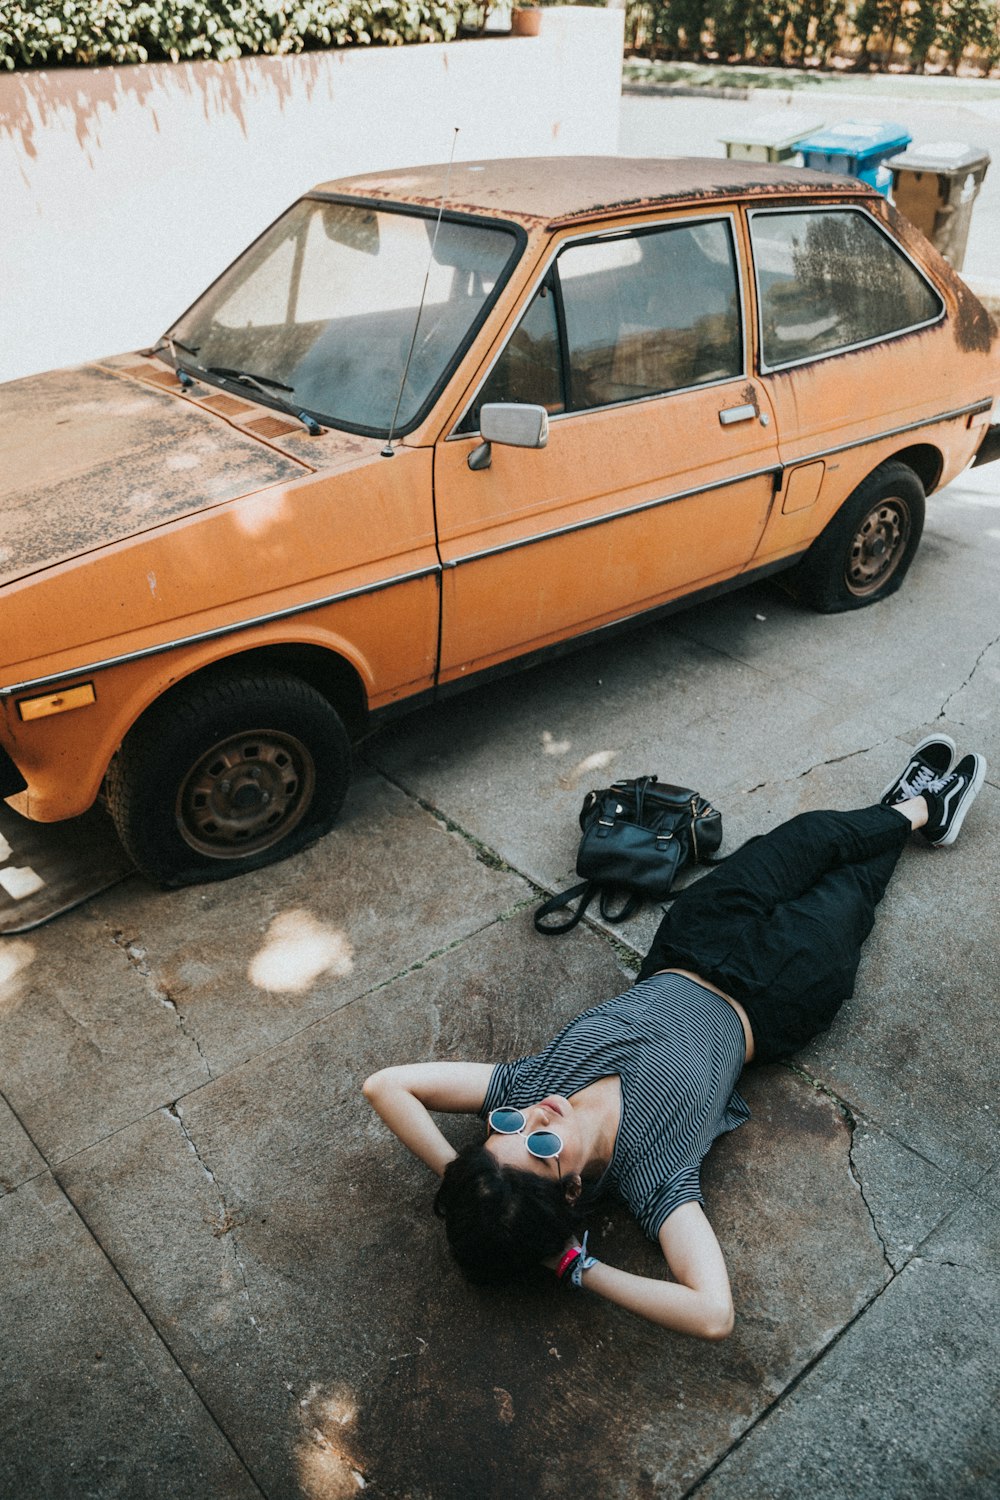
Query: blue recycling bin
[856, 148]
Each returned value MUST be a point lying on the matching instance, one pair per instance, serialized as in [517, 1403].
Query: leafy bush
[50, 33]
[861, 33]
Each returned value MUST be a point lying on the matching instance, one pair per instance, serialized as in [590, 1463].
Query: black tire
[227, 774]
[863, 553]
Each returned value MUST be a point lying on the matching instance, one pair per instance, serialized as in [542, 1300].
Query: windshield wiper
[263, 382]
[267, 385]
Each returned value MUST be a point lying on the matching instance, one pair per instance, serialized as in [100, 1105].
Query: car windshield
[325, 306]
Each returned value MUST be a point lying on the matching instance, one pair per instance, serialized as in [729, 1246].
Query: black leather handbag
[636, 836]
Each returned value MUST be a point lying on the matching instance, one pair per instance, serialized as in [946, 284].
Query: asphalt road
[681, 125]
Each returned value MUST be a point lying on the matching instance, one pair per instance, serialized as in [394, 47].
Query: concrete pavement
[221, 1274]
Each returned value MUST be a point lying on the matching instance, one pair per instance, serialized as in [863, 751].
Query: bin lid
[941, 156]
[858, 138]
[778, 128]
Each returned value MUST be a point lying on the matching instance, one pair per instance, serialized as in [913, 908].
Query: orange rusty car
[433, 424]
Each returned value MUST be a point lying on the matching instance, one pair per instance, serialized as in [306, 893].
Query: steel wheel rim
[245, 794]
[878, 547]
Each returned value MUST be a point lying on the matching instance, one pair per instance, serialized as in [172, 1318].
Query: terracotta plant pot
[526, 20]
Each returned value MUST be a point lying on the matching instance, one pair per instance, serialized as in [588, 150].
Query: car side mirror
[515, 424]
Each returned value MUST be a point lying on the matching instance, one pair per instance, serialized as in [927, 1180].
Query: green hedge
[50, 33]
[913, 34]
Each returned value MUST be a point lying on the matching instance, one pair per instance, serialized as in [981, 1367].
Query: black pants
[779, 924]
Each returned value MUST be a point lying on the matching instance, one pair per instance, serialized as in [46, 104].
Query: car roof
[549, 190]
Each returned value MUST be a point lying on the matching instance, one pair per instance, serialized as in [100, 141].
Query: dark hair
[501, 1221]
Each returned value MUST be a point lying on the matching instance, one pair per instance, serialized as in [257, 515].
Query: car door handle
[730, 414]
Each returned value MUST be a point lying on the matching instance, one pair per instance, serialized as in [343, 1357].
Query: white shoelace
[925, 780]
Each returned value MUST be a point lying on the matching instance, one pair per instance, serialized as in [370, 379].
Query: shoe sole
[964, 803]
[929, 739]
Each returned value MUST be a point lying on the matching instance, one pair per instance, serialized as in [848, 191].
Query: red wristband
[569, 1258]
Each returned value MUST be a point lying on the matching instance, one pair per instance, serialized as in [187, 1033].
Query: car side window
[530, 368]
[650, 312]
[830, 279]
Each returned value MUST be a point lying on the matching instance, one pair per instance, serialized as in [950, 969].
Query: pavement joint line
[226, 1224]
[990, 645]
[483, 852]
[160, 1338]
[136, 955]
[790, 1388]
[35, 1175]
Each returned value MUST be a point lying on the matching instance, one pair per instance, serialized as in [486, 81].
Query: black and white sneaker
[928, 762]
[949, 799]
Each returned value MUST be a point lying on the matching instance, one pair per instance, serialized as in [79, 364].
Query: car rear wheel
[863, 554]
[226, 775]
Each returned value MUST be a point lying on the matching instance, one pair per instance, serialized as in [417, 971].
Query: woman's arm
[403, 1096]
[698, 1302]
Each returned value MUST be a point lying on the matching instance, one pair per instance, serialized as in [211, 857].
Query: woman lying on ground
[750, 962]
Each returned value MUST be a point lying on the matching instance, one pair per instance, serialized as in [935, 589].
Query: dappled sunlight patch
[15, 957]
[599, 761]
[297, 951]
[323, 1459]
[552, 746]
[259, 513]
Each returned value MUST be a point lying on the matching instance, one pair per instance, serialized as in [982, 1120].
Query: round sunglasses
[544, 1144]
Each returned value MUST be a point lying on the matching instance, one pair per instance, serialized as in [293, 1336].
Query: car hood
[88, 457]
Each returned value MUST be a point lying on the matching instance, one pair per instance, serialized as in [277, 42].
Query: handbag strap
[628, 908]
[587, 890]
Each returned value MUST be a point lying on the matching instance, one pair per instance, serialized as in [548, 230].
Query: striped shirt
[678, 1049]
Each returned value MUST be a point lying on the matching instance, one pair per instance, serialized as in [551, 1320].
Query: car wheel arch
[336, 678]
[926, 461]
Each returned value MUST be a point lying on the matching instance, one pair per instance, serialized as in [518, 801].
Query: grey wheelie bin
[936, 186]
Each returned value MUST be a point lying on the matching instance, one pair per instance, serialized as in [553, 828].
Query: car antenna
[388, 451]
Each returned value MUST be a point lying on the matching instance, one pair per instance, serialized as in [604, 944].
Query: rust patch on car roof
[554, 190]
[87, 459]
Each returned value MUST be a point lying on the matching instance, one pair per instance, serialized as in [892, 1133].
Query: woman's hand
[405, 1095]
[698, 1302]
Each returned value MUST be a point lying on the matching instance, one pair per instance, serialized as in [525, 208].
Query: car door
[658, 473]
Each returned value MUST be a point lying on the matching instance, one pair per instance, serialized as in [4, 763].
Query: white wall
[125, 191]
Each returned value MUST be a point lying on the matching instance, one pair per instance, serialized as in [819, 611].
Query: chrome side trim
[543, 536]
[617, 515]
[946, 416]
[219, 631]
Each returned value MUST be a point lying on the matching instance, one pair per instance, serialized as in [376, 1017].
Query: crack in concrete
[852, 1122]
[943, 714]
[852, 1125]
[135, 954]
[834, 760]
[226, 1221]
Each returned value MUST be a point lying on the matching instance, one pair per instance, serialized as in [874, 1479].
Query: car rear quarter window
[831, 279]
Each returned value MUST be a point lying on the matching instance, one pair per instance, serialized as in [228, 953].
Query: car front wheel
[226, 775]
[863, 554]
